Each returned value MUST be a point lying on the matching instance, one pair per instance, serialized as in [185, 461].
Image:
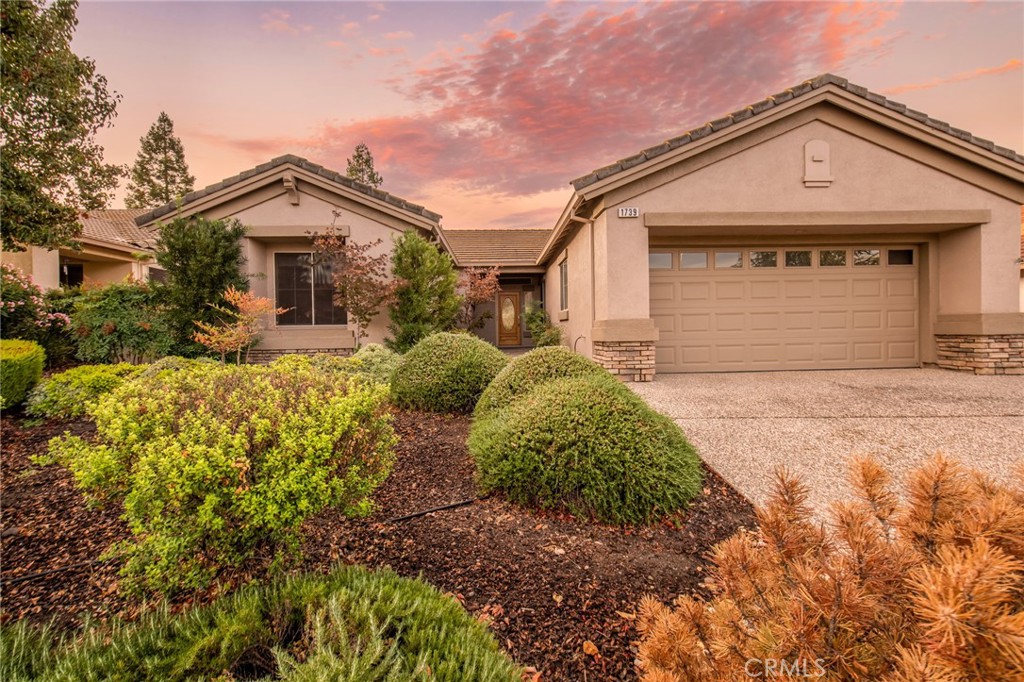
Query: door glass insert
[832, 258]
[508, 314]
[867, 257]
[764, 259]
[901, 256]
[693, 260]
[728, 259]
[659, 261]
[798, 259]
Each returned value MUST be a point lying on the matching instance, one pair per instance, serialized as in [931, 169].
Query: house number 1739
[629, 212]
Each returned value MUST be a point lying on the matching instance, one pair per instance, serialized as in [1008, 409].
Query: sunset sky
[484, 111]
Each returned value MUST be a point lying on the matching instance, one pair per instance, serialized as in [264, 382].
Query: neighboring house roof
[298, 162]
[824, 88]
[117, 227]
[502, 247]
[768, 104]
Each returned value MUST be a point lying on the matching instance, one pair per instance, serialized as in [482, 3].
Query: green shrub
[122, 322]
[446, 373]
[21, 366]
[589, 445]
[218, 461]
[171, 363]
[542, 330]
[375, 362]
[525, 372]
[66, 395]
[427, 300]
[349, 626]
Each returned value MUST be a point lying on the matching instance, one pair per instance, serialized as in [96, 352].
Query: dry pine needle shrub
[927, 588]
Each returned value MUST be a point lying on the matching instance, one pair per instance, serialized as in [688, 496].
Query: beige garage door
[775, 308]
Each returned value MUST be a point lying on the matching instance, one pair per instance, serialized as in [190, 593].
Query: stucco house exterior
[825, 227]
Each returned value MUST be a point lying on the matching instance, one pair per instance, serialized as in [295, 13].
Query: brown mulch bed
[545, 582]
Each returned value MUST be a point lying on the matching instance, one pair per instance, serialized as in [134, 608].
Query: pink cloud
[278, 21]
[526, 111]
[1010, 65]
[398, 35]
[385, 51]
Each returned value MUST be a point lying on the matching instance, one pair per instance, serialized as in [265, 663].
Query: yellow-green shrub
[214, 462]
[525, 372]
[446, 373]
[66, 395]
[589, 445]
[21, 366]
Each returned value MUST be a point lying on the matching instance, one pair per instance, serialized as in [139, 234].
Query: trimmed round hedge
[375, 362]
[591, 446]
[21, 367]
[349, 626]
[446, 372]
[525, 372]
[66, 395]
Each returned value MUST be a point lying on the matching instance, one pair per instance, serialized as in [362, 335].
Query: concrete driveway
[744, 424]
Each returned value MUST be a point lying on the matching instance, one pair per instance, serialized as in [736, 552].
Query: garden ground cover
[547, 583]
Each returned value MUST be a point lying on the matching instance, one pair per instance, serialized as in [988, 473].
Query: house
[112, 247]
[825, 227]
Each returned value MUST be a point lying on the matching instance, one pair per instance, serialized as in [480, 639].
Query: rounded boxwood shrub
[446, 373]
[375, 362]
[66, 395]
[591, 446]
[525, 372]
[21, 366]
[352, 625]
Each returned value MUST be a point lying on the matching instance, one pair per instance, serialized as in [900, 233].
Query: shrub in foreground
[446, 373]
[121, 322]
[216, 462]
[349, 626]
[924, 587]
[525, 372]
[21, 366]
[588, 445]
[66, 395]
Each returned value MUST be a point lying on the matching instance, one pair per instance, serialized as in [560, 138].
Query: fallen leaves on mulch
[558, 592]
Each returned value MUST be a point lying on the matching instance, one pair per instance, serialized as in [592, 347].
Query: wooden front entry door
[509, 320]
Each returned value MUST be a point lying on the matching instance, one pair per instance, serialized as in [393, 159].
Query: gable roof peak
[298, 162]
[769, 103]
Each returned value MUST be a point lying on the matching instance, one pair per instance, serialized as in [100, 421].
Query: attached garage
[789, 307]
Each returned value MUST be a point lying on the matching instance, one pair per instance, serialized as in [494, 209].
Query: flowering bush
[24, 313]
[215, 462]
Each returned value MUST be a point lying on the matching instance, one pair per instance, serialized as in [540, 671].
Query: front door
[509, 321]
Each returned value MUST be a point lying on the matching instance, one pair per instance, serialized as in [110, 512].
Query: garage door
[775, 308]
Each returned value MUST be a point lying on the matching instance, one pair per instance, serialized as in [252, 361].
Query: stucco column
[623, 332]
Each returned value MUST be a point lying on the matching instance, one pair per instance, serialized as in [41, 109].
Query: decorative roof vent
[817, 164]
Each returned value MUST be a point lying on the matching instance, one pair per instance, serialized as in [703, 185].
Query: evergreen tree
[426, 301]
[203, 259]
[52, 103]
[360, 167]
[160, 174]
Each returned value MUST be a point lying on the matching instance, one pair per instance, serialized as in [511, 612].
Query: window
[798, 259]
[901, 256]
[659, 261]
[157, 274]
[728, 259]
[563, 284]
[764, 259]
[306, 289]
[832, 258]
[693, 260]
[867, 257]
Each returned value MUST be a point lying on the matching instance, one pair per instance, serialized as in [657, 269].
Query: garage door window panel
[901, 257]
[659, 260]
[693, 260]
[798, 259]
[867, 257]
[832, 258]
[764, 259]
[726, 260]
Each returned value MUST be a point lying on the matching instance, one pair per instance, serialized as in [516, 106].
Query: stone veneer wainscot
[628, 360]
[981, 353]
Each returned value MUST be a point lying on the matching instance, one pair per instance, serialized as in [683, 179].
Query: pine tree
[360, 167]
[160, 174]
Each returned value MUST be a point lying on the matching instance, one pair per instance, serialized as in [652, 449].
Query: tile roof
[768, 104]
[512, 246]
[314, 168]
[117, 226]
